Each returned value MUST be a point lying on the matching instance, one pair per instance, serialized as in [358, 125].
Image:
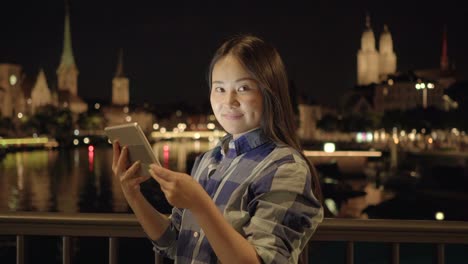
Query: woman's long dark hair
[263, 61]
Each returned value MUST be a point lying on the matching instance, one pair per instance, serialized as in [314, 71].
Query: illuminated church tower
[367, 58]
[387, 57]
[120, 85]
[374, 66]
[67, 72]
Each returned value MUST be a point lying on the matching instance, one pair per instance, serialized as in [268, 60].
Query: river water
[80, 179]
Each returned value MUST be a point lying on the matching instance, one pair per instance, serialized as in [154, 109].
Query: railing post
[396, 253]
[440, 254]
[19, 249]
[304, 256]
[350, 253]
[158, 259]
[113, 247]
[66, 250]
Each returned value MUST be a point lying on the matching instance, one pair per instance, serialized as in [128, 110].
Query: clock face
[13, 79]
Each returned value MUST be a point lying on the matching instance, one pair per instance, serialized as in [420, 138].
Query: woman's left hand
[180, 189]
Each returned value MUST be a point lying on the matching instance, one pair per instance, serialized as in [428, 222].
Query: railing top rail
[70, 224]
[332, 229]
[394, 225]
[84, 218]
[383, 230]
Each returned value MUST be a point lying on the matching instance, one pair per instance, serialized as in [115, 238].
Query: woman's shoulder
[282, 162]
[285, 169]
[206, 157]
[284, 154]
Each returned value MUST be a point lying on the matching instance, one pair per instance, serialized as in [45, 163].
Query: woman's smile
[232, 116]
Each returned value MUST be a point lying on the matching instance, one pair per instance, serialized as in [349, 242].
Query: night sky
[167, 45]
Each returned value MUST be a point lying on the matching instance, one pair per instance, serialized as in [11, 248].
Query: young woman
[251, 199]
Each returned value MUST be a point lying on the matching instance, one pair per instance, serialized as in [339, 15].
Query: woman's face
[236, 98]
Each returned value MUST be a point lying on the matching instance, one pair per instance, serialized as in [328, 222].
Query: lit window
[210, 126]
[329, 147]
[439, 216]
[13, 80]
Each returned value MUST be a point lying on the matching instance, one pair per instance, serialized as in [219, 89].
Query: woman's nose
[231, 99]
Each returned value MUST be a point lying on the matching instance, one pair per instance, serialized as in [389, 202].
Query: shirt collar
[244, 143]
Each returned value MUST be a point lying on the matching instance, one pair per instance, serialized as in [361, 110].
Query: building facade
[40, 93]
[408, 94]
[11, 93]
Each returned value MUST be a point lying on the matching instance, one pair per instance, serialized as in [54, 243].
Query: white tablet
[139, 148]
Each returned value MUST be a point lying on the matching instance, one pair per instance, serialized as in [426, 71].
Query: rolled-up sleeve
[166, 245]
[284, 212]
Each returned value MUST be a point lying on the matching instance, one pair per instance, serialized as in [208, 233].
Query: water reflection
[80, 179]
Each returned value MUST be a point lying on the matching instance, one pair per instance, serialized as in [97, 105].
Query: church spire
[367, 57]
[444, 63]
[387, 57]
[67, 72]
[120, 84]
[119, 72]
[67, 53]
[368, 23]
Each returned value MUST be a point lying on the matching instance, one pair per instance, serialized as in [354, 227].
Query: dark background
[168, 44]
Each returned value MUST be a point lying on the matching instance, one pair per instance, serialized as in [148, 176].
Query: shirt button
[195, 234]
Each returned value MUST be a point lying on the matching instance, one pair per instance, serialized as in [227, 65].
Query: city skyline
[167, 48]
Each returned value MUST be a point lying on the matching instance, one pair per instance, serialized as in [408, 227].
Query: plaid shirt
[264, 191]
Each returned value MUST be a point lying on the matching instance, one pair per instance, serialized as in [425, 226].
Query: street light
[424, 86]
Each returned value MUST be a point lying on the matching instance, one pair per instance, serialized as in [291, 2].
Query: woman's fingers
[130, 179]
[135, 182]
[163, 173]
[132, 170]
[161, 180]
[122, 161]
[116, 153]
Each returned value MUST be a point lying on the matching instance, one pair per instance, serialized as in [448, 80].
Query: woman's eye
[242, 88]
[219, 89]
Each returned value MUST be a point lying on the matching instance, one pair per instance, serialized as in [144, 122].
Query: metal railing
[115, 226]
[394, 232]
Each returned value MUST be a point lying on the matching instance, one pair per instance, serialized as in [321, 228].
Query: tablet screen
[132, 136]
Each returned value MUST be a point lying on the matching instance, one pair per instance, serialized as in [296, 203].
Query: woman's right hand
[129, 180]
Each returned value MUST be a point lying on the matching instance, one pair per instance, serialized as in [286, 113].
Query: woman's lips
[232, 116]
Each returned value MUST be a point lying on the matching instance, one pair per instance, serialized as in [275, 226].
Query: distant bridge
[28, 142]
[188, 134]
